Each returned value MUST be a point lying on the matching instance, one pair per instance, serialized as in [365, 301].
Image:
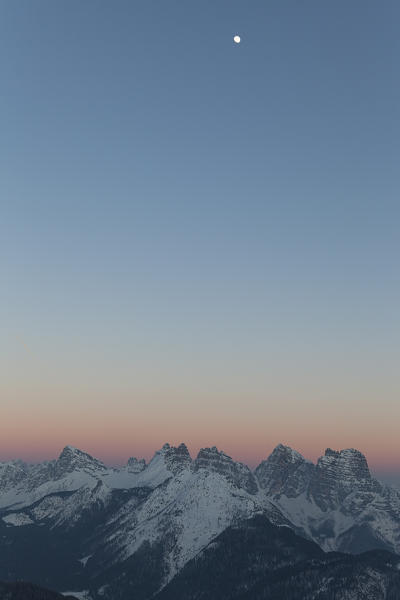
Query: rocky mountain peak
[176, 458]
[216, 461]
[72, 459]
[69, 451]
[285, 471]
[339, 473]
[211, 459]
[286, 453]
[350, 464]
[330, 452]
[136, 465]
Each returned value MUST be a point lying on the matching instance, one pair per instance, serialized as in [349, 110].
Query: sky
[199, 240]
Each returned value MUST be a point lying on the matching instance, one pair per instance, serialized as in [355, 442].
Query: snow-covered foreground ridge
[179, 504]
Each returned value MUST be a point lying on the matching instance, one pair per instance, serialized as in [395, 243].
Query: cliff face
[285, 471]
[335, 502]
[212, 460]
[339, 474]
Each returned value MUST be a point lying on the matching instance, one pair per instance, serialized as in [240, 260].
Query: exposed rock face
[336, 475]
[22, 483]
[120, 522]
[284, 472]
[177, 458]
[239, 474]
[12, 473]
[135, 465]
[72, 459]
[335, 502]
[339, 474]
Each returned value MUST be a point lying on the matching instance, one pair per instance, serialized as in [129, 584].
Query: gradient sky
[199, 241]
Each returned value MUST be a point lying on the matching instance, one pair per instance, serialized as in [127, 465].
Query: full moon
[236, 39]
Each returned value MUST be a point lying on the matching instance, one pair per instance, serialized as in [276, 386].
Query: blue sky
[188, 221]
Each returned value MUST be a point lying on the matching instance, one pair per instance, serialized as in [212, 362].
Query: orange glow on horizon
[139, 428]
[117, 453]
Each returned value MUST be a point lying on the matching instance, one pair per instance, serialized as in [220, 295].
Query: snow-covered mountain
[87, 526]
[256, 560]
[100, 518]
[336, 502]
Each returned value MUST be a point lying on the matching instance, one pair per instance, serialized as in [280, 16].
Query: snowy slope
[22, 484]
[336, 502]
[189, 509]
[106, 523]
[174, 506]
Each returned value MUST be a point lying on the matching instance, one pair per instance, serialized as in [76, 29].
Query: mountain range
[77, 526]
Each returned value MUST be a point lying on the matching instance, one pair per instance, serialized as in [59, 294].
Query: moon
[237, 39]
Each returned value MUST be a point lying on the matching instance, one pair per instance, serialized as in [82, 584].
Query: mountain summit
[87, 523]
[72, 459]
[335, 502]
[285, 471]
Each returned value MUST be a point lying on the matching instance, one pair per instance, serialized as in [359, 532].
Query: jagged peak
[136, 465]
[338, 474]
[213, 451]
[72, 448]
[72, 451]
[166, 448]
[183, 446]
[214, 460]
[344, 451]
[176, 458]
[280, 455]
[345, 455]
[352, 452]
[285, 471]
[293, 455]
[330, 452]
[282, 447]
[162, 451]
[71, 457]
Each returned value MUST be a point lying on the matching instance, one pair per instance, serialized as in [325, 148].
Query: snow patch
[17, 519]
[82, 595]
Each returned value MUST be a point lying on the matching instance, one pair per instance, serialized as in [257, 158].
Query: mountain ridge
[106, 522]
